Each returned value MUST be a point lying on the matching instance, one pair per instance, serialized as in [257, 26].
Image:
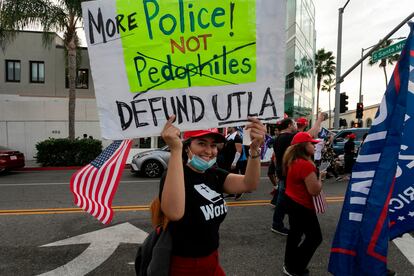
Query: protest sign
[211, 63]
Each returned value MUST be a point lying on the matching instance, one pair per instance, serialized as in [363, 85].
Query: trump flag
[379, 202]
[94, 186]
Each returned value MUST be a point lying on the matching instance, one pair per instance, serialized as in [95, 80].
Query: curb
[127, 166]
[48, 168]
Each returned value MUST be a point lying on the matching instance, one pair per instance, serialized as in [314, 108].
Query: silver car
[151, 163]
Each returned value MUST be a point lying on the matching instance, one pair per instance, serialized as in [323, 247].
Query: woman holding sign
[191, 195]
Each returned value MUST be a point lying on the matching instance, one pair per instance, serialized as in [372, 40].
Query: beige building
[34, 93]
[349, 116]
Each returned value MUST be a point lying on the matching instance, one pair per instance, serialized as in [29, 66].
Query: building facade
[300, 58]
[34, 93]
[350, 120]
[34, 88]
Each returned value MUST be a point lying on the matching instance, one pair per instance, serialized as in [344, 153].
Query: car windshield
[4, 148]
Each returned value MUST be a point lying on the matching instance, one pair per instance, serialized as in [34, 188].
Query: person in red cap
[288, 129]
[302, 123]
[190, 200]
[349, 153]
[302, 183]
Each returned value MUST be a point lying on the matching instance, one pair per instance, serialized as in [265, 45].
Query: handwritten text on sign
[212, 63]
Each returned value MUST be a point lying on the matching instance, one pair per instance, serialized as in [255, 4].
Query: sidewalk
[32, 165]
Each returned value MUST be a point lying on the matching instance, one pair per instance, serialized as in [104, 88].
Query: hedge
[65, 152]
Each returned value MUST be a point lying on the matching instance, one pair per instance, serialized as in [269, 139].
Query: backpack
[153, 256]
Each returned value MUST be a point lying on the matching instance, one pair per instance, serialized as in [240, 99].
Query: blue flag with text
[377, 205]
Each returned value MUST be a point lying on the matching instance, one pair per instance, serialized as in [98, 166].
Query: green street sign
[386, 52]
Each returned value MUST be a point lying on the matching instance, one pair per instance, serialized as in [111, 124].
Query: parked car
[151, 163]
[340, 138]
[10, 159]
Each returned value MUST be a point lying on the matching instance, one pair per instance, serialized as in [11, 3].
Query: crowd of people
[205, 167]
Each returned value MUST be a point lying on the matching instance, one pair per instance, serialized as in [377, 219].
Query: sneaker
[282, 231]
[286, 272]
[238, 196]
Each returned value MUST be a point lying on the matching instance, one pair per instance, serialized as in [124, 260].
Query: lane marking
[67, 183]
[131, 208]
[406, 245]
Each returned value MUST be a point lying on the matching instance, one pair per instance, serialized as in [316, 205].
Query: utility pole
[338, 67]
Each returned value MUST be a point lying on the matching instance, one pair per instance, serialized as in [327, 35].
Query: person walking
[349, 153]
[302, 182]
[288, 129]
[190, 200]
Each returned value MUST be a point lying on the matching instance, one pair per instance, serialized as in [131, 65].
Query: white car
[151, 163]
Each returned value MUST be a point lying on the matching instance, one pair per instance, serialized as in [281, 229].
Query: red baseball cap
[302, 121]
[351, 136]
[303, 137]
[199, 133]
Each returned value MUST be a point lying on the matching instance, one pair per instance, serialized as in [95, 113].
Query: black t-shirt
[282, 142]
[349, 148]
[196, 234]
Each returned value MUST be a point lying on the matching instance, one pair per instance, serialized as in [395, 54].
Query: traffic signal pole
[338, 69]
[340, 78]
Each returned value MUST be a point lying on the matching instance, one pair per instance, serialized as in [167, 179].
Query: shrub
[65, 152]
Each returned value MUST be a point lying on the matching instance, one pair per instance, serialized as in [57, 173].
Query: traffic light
[359, 110]
[343, 105]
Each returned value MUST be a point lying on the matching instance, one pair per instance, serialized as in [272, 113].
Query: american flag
[319, 202]
[94, 185]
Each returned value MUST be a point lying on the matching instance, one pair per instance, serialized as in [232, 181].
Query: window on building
[369, 122]
[290, 79]
[13, 70]
[82, 79]
[37, 71]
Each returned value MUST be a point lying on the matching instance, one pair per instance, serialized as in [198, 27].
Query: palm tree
[324, 67]
[328, 85]
[388, 60]
[303, 69]
[53, 15]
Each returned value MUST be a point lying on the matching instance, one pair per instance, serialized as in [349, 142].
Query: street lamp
[362, 64]
[338, 67]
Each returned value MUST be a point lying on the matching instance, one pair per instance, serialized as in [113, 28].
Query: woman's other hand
[257, 132]
[171, 135]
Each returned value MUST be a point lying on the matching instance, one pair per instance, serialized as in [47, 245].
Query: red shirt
[295, 182]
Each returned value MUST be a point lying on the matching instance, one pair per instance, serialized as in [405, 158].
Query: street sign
[386, 52]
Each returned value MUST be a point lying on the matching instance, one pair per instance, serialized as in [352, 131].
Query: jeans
[303, 222]
[278, 201]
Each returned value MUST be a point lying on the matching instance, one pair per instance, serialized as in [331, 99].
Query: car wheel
[152, 168]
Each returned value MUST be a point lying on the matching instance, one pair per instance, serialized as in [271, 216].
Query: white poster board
[212, 63]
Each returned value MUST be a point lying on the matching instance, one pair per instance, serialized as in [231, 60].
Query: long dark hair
[292, 153]
[158, 218]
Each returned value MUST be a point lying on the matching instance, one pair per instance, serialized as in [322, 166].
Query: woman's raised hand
[171, 135]
[257, 132]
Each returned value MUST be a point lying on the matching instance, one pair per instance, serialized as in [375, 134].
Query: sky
[364, 23]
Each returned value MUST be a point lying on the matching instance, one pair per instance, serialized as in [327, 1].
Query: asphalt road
[36, 209]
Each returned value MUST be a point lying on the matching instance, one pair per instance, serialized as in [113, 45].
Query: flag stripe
[94, 185]
[107, 178]
[104, 188]
[121, 161]
[101, 185]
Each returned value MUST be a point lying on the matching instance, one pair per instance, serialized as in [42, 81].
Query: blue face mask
[200, 164]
